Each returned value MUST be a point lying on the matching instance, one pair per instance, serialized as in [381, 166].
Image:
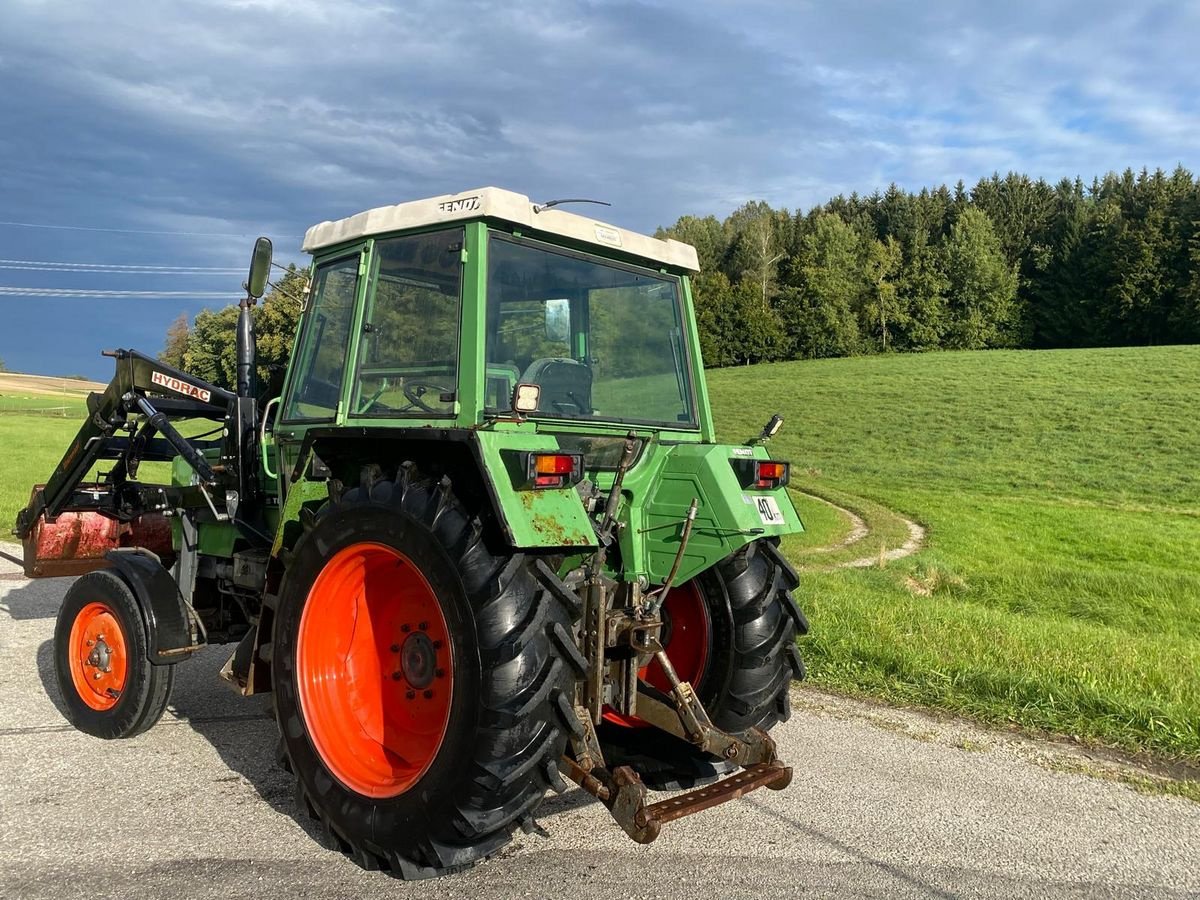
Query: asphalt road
[884, 803]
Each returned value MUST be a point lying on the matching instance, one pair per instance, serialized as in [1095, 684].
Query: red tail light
[762, 474]
[770, 474]
[553, 470]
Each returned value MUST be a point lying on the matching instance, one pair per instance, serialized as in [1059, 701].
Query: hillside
[1059, 587]
[15, 384]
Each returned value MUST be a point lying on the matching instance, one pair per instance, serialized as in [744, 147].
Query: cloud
[249, 116]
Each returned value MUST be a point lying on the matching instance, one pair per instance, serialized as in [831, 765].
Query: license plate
[768, 511]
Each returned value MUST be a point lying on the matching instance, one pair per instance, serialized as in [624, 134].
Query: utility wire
[97, 270]
[81, 265]
[10, 291]
[126, 230]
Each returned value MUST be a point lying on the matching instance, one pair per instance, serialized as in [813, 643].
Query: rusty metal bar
[770, 775]
[595, 602]
[623, 792]
[586, 780]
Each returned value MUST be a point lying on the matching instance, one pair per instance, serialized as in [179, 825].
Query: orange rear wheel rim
[98, 656]
[374, 670]
[688, 633]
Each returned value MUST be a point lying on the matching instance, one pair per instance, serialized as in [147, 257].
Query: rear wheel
[110, 688]
[421, 680]
[748, 687]
[731, 632]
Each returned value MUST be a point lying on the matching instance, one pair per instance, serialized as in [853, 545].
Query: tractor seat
[566, 385]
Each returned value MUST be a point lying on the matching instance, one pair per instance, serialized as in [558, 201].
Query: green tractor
[480, 542]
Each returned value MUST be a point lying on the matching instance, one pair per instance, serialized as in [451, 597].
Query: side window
[317, 385]
[408, 353]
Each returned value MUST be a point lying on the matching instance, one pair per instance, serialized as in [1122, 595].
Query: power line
[212, 273]
[118, 266]
[126, 230]
[7, 291]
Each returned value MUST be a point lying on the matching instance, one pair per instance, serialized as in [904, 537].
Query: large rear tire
[731, 632]
[748, 683]
[421, 679]
[110, 688]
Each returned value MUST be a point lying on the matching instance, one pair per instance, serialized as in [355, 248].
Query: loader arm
[115, 410]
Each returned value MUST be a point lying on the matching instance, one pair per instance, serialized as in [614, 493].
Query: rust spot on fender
[548, 527]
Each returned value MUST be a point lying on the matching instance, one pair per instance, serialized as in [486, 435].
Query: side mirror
[558, 320]
[260, 268]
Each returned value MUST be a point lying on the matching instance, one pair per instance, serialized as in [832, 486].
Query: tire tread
[523, 614]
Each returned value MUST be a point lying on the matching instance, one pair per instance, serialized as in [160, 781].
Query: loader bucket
[75, 542]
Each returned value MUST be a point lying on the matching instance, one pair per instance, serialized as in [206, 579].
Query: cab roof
[507, 206]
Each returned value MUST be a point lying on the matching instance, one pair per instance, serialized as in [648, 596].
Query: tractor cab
[437, 310]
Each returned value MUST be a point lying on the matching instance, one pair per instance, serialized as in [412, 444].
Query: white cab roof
[494, 203]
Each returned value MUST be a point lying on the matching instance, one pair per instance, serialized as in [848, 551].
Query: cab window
[408, 352]
[317, 387]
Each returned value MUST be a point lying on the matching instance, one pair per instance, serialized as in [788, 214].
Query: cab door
[314, 390]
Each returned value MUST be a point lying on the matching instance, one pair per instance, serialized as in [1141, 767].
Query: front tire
[109, 686]
[420, 749]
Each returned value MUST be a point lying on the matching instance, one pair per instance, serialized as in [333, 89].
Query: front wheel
[110, 688]
[420, 679]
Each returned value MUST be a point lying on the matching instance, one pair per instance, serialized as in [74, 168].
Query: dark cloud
[237, 117]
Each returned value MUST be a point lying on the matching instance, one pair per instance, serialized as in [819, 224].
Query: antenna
[538, 207]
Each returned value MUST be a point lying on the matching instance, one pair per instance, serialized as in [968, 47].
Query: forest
[1012, 262]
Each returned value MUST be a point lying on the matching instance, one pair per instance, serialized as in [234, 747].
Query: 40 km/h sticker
[768, 511]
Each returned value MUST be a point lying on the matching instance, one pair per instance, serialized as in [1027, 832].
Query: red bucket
[75, 542]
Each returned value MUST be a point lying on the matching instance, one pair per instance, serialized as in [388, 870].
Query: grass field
[1060, 585]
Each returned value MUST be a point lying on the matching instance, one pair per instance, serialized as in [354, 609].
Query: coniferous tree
[983, 285]
[821, 316]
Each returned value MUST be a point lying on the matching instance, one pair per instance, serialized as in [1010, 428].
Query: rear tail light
[552, 469]
[770, 473]
[762, 474]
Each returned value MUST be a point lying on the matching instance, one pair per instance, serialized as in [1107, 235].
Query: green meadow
[1059, 585]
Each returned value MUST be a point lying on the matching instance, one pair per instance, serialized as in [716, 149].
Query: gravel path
[885, 803]
[859, 531]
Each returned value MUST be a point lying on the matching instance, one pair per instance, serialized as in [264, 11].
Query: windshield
[604, 341]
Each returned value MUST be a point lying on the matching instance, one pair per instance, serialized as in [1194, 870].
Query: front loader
[482, 542]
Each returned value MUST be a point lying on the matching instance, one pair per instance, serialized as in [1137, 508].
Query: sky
[171, 134]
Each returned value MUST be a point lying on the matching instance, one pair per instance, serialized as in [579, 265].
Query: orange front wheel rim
[374, 670]
[98, 656]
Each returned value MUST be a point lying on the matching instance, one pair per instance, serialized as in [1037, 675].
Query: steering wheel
[416, 389]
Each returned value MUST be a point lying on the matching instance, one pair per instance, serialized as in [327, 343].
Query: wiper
[538, 207]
